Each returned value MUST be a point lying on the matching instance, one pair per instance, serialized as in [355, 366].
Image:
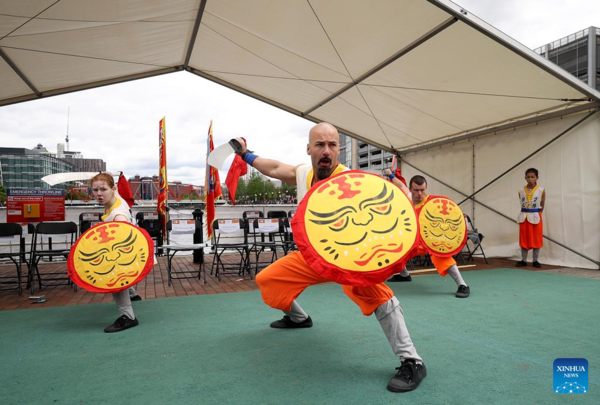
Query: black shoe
[121, 323]
[537, 265]
[136, 298]
[463, 291]
[408, 378]
[286, 322]
[521, 264]
[399, 278]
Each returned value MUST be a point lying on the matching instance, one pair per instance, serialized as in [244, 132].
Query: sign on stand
[34, 205]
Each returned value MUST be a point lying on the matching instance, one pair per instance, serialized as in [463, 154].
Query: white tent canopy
[397, 73]
[404, 75]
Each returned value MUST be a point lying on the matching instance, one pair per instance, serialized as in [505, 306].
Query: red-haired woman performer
[116, 209]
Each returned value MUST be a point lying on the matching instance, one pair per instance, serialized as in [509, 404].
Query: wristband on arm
[249, 157]
[392, 177]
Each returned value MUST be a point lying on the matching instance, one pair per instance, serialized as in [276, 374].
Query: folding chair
[275, 229]
[182, 227]
[290, 235]
[151, 223]
[87, 220]
[475, 237]
[51, 231]
[12, 233]
[229, 235]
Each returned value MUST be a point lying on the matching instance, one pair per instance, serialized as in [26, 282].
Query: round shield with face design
[111, 257]
[443, 229]
[355, 228]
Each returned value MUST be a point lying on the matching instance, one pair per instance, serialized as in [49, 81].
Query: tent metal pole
[597, 263]
[194, 34]
[530, 155]
[16, 69]
[385, 63]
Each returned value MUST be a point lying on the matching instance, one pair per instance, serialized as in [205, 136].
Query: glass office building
[24, 168]
[578, 54]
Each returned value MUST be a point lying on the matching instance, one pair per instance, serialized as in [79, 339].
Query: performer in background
[531, 229]
[116, 209]
[283, 281]
[417, 191]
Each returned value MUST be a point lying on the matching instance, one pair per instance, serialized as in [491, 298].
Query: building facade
[578, 54]
[146, 188]
[80, 164]
[24, 168]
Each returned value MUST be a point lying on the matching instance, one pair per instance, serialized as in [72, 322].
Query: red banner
[212, 186]
[163, 184]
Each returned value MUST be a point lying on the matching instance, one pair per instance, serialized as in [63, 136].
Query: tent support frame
[472, 196]
[194, 34]
[16, 69]
[418, 42]
[500, 128]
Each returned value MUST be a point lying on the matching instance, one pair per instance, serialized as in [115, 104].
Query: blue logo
[570, 376]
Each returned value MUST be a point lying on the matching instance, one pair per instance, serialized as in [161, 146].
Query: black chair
[288, 227]
[87, 220]
[275, 229]
[475, 237]
[179, 227]
[151, 223]
[15, 233]
[52, 231]
[229, 236]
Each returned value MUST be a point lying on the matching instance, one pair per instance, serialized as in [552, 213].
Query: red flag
[397, 170]
[212, 186]
[124, 190]
[163, 184]
[238, 169]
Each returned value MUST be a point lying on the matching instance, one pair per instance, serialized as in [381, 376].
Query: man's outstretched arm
[269, 167]
[397, 182]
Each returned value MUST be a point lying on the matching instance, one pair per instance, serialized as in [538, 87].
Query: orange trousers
[531, 236]
[283, 281]
[442, 264]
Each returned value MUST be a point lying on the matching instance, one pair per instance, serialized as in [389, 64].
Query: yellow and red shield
[355, 228]
[443, 229]
[111, 257]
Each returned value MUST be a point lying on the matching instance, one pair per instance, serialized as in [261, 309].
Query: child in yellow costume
[532, 198]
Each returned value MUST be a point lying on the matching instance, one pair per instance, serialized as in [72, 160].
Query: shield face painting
[355, 228]
[443, 229]
[111, 257]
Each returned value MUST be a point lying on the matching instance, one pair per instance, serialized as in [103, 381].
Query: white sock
[536, 254]
[405, 272]
[296, 313]
[455, 274]
[524, 254]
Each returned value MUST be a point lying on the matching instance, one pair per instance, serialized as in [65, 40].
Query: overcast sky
[119, 123]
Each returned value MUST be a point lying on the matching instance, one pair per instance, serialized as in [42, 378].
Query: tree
[2, 195]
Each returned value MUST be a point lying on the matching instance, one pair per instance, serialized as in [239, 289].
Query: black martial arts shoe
[463, 291]
[399, 278]
[537, 265]
[408, 378]
[136, 298]
[121, 323]
[521, 264]
[287, 323]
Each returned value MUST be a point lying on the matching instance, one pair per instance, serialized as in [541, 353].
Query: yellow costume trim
[529, 195]
[423, 201]
[106, 214]
[309, 179]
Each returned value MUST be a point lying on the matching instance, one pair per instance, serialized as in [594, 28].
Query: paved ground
[155, 285]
